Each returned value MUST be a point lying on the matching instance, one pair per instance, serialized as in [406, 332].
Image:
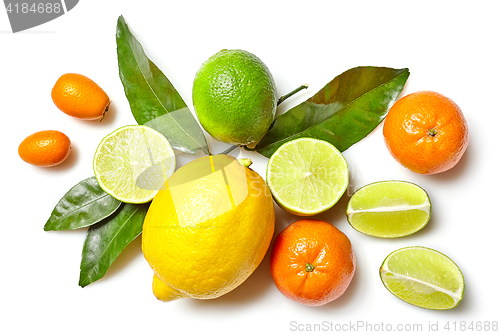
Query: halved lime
[423, 277]
[389, 209]
[133, 163]
[307, 176]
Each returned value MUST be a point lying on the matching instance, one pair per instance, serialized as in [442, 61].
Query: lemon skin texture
[199, 246]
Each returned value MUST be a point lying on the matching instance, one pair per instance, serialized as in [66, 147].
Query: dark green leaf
[343, 112]
[84, 204]
[107, 239]
[153, 99]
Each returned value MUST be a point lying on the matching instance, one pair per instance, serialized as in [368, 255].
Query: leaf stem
[227, 151]
[286, 96]
[206, 149]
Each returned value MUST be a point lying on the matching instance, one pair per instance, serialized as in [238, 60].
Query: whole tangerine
[312, 262]
[80, 97]
[45, 148]
[426, 132]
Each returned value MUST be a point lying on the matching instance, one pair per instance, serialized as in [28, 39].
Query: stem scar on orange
[80, 97]
[45, 148]
[312, 262]
[426, 132]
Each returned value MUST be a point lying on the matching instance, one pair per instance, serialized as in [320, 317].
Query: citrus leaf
[83, 205]
[343, 112]
[107, 239]
[153, 99]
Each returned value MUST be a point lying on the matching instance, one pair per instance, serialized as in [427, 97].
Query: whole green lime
[234, 96]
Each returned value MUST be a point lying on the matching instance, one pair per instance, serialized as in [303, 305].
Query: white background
[451, 47]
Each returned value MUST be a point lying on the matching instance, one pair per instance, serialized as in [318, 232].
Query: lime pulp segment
[307, 176]
[133, 163]
[389, 209]
[423, 277]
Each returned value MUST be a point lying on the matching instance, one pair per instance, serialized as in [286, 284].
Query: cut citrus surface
[133, 163]
[389, 209]
[423, 277]
[307, 176]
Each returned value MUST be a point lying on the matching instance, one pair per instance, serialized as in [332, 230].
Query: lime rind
[234, 97]
[423, 277]
[133, 162]
[389, 209]
[307, 176]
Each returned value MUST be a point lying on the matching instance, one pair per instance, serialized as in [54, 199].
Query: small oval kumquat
[45, 148]
[80, 97]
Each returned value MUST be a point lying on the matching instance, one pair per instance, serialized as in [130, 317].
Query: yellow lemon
[208, 230]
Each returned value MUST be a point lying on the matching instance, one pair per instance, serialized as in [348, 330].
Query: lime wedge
[133, 163]
[307, 176]
[389, 209]
[423, 277]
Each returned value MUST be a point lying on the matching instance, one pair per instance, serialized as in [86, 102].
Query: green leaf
[83, 205]
[343, 112]
[153, 99]
[107, 239]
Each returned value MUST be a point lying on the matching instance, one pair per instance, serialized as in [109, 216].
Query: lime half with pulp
[389, 209]
[423, 277]
[307, 176]
[133, 163]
